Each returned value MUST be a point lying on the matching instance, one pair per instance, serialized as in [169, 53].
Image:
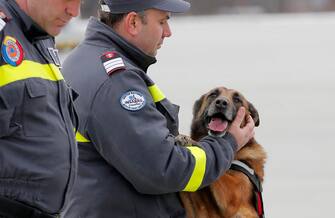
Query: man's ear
[132, 23]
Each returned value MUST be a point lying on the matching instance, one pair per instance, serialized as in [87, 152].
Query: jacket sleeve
[139, 145]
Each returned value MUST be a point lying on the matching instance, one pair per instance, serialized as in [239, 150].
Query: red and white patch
[2, 24]
[109, 54]
[112, 62]
[3, 20]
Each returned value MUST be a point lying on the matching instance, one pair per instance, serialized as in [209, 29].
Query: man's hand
[184, 140]
[242, 135]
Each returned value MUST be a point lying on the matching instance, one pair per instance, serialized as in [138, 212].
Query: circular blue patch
[132, 100]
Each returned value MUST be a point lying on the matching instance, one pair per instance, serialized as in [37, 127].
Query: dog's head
[215, 111]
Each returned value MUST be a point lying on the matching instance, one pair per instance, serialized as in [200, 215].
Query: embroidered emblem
[55, 56]
[132, 100]
[112, 62]
[12, 51]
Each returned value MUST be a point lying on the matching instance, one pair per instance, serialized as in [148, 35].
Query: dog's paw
[183, 140]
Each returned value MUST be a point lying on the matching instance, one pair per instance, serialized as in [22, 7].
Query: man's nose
[73, 8]
[167, 31]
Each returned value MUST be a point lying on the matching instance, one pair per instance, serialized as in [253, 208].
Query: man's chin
[153, 54]
[55, 30]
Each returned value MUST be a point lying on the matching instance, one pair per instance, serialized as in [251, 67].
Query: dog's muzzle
[219, 115]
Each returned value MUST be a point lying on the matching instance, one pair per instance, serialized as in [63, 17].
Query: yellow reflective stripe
[29, 69]
[156, 93]
[199, 169]
[81, 138]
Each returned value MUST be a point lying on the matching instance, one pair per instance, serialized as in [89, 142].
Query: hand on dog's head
[216, 109]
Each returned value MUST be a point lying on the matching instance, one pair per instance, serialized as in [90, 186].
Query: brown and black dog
[233, 195]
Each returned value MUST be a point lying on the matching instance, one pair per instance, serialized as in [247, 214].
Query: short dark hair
[111, 19]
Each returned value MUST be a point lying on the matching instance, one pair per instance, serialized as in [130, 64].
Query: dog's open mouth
[217, 124]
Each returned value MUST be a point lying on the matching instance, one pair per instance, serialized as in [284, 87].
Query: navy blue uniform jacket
[129, 163]
[38, 151]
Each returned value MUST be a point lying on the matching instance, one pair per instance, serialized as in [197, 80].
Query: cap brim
[175, 6]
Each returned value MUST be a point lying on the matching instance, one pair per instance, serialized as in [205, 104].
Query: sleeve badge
[132, 101]
[12, 51]
[3, 20]
[112, 62]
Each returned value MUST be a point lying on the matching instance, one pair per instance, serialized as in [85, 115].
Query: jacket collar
[28, 26]
[104, 35]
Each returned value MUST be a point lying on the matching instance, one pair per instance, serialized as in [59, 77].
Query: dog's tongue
[217, 125]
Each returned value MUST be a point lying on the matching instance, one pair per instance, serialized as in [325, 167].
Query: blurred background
[280, 55]
[201, 7]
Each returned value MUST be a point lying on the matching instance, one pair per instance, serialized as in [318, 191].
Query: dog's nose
[221, 103]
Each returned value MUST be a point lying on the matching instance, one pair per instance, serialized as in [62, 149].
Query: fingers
[250, 122]
[245, 133]
[251, 126]
[239, 117]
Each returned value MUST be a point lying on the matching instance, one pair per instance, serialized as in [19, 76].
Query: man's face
[52, 15]
[153, 30]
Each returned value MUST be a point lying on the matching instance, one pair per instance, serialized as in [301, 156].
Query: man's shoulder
[112, 61]
[92, 61]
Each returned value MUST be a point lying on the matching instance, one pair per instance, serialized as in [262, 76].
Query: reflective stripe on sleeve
[81, 138]
[199, 169]
[29, 69]
[156, 93]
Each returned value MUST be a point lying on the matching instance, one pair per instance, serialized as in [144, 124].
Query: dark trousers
[14, 209]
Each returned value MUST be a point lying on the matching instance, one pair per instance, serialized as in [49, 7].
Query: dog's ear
[198, 127]
[254, 114]
[197, 106]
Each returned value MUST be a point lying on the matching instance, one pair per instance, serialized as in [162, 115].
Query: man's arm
[138, 144]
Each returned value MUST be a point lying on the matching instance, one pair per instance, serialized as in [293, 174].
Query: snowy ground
[284, 64]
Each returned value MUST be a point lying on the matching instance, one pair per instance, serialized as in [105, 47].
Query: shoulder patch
[12, 51]
[132, 101]
[3, 20]
[112, 62]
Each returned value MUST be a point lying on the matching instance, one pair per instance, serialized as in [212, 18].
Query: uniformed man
[129, 163]
[37, 142]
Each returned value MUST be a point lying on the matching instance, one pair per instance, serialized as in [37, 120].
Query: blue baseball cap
[124, 6]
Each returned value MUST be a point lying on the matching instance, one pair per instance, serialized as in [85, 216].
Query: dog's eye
[237, 99]
[213, 95]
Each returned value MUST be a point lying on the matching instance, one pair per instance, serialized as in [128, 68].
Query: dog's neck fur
[255, 160]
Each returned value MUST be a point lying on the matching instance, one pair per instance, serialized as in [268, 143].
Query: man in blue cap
[129, 162]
